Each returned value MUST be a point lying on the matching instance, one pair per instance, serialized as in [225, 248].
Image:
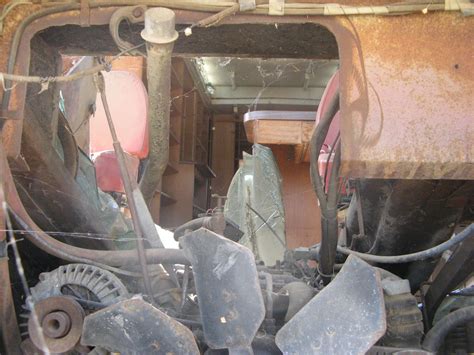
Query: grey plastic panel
[346, 317]
[228, 291]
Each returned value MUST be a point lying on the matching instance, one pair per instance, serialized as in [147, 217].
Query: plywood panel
[180, 187]
[223, 152]
[278, 131]
[287, 132]
[303, 216]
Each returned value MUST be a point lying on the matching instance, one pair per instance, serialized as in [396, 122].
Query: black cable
[267, 224]
[328, 203]
[421, 255]
[328, 160]
[17, 38]
[317, 141]
[435, 337]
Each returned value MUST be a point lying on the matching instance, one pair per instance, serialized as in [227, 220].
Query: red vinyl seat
[128, 102]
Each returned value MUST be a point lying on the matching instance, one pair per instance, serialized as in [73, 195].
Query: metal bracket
[133, 14]
[465, 6]
[85, 16]
[246, 5]
[276, 7]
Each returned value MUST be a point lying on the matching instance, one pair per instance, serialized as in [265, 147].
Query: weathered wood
[302, 213]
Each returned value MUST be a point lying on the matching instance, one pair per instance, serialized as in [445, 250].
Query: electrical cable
[328, 160]
[328, 203]
[268, 225]
[421, 255]
[67, 78]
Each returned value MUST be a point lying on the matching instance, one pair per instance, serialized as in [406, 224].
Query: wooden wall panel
[223, 152]
[303, 216]
[180, 187]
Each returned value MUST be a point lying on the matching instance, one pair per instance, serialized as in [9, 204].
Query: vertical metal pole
[160, 34]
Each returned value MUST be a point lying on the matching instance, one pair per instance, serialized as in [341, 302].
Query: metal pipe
[160, 34]
[433, 252]
[435, 337]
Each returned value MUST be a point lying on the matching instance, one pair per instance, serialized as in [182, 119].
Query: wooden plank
[181, 187]
[223, 151]
[171, 168]
[302, 213]
[290, 132]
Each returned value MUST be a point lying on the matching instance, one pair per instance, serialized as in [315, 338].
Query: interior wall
[302, 213]
[223, 152]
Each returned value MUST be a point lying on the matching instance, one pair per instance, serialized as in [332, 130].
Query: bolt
[137, 12]
[56, 324]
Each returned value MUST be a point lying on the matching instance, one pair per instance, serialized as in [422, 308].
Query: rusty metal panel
[407, 84]
[407, 88]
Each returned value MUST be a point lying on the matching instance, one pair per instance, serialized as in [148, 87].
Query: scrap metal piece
[61, 321]
[350, 315]
[136, 326]
[228, 290]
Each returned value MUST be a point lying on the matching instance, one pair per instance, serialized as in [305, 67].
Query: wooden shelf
[166, 199]
[206, 171]
[187, 187]
[171, 169]
[174, 140]
[175, 109]
[201, 145]
[176, 77]
[200, 209]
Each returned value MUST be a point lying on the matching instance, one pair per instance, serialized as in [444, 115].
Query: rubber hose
[421, 255]
[435, 337]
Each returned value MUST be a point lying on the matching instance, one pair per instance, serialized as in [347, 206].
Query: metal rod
[127, 183]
